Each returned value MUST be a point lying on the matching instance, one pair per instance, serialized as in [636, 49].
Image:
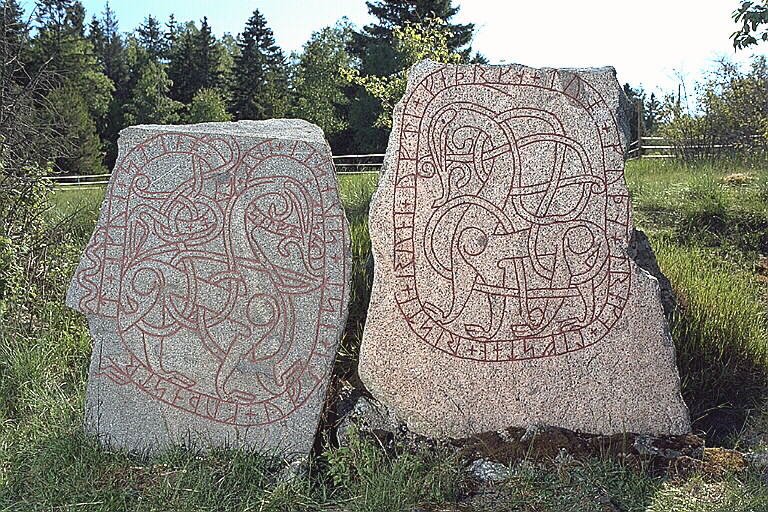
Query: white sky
[649, 42]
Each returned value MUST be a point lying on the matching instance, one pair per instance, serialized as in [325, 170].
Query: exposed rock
[505, 291]
[487, 471]
[216, 286]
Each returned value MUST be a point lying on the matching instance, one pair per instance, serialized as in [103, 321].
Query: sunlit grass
[706, 231]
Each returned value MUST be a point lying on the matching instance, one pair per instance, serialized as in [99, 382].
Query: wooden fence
[644, 147]
[659, 147]
[344, 164]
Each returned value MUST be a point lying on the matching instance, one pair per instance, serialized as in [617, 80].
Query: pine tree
[181, 56]
[260, 77]
[151, 38]
[14, 40]
[60, 47]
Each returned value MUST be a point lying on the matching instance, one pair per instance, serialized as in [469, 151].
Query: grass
[709, 226]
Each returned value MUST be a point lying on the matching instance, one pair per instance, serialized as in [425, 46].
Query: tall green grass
[707, 234]
[721, 307]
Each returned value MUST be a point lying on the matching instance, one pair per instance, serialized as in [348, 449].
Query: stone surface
[503, 291]
[216, 286]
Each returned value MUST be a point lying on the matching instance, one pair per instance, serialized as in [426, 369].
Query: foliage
[751, 15]
[109, 48]
[321, 95]
[151, 38]
[60, 48]
[261, 80]
[150, 102]
[649, 107]
[208, 106]
[79, 128]
[732, 112]
[398, 13]
[414, 42]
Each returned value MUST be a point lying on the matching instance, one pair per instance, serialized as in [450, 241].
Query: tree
[206, 71]
[14, 38]
[732, 112]
[751, 15]
[60, 48]
[109, 48]
[208, 106]
[374, 47]
[397, 13]
[413, 43]
[260, 77]
[151, 37]
[28, 135]
[321, 93]
[194, 61]
[149, 101]
[181, 56]
[80, 130]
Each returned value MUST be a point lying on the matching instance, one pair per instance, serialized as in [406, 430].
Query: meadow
[708, 223]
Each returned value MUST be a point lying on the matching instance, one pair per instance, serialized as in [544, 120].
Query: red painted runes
[215, 263]
[510, 214]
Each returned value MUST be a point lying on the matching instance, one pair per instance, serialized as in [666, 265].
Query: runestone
[503, 291]
[216, 285]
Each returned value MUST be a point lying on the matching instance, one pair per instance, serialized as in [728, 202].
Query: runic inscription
[510, 218]
[223, 266]
[505, 292]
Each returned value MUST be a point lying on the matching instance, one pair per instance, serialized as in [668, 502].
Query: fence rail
[344, 164]
[644, 147]
[655, 147]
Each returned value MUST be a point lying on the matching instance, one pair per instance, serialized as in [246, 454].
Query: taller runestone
[503, 291]
[216, 287]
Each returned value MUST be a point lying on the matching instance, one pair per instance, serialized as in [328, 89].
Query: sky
[653, 43]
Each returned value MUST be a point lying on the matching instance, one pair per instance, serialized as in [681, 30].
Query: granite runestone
[504, 293]
[216, 286]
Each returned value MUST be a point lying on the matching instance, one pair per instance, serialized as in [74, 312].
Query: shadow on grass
[720, 389]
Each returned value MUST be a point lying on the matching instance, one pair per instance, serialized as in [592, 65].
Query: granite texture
[216, 286]
[503, 292]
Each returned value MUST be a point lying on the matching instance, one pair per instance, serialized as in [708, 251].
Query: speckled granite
[503, 292]
[216, 286]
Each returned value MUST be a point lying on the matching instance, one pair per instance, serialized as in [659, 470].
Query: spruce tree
[149, 103]
[206, 73]
[260, 75]
[151, 37]
[84, 92]
[109, 48]
[374, 47]
[14, 40]
[181, 62]
[195, 60]
[368, 43]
